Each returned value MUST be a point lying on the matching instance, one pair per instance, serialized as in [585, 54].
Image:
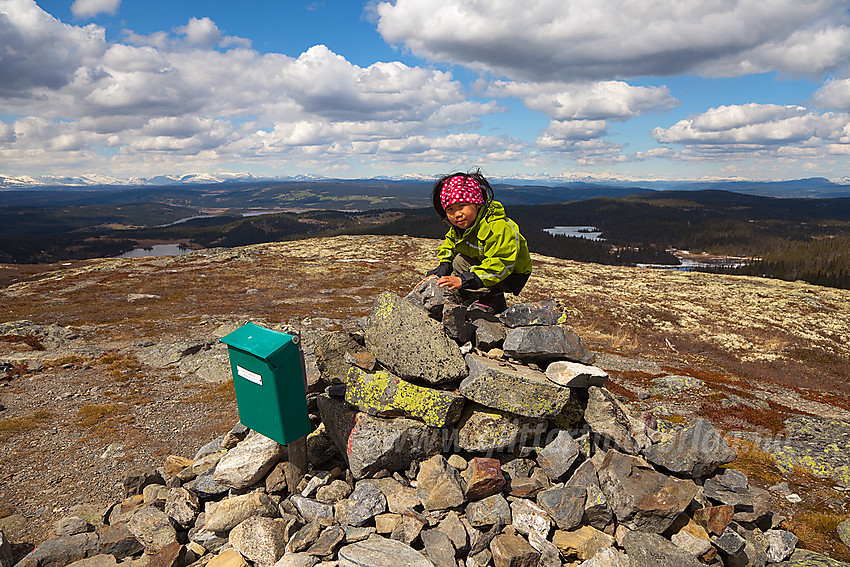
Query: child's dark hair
[486, 190]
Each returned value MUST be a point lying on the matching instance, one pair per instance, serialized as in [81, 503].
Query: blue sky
[689, 89]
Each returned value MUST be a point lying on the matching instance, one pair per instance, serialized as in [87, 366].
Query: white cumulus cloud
[91, 8]
[546, 40]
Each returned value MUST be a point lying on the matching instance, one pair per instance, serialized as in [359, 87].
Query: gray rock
[431, 298]
[118, 541]
[597, 512]
[169, 354]
[384, 394]
[259, 539]
[6, 559]
[549, 554]
[607, 557]
[609, 420]
[536, 313]
[642, 498]
[366, 502]
[228, 513]
[61, 551]
[729, 542]
[493, 510]
[438, 548]
[488, 334]
[512, 388]
[329, 349]
[304, 537]
[71, 525]
[100, 560]
[312, 510]
[328, 542]
[182, 507]
[370, 444]
[558, 455]
[806, 558]
[732, 488]
[546, 343]
[486, 430]
[512, 550]
[411, 344]
[334, 492]
[672, 385]
[453, 527]
[695, 451]
[353, 535]
[297, 560]
[651, 550]
[381, 552]
[153, 528]
[844, 532]
[575, 374]
[438, 485]
[455, 323]
[565, 504]
[248, 462]
[206, 487]
[527, 518]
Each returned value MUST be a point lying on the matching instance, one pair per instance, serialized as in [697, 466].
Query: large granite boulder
[370, 443]
[384, 394]
[532, 313]
[411, 344]
[609, 419]
[512, 388]
[485, 430]
[695, 451]
[642, 498]
[546, 343]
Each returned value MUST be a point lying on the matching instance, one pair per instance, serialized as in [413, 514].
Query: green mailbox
[268, 376]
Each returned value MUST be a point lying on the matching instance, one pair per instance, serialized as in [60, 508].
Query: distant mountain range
[587, 186]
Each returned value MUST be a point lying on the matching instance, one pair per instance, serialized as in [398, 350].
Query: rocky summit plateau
[610, 417]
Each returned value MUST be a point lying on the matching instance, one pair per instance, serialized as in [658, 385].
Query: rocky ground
[125, 368]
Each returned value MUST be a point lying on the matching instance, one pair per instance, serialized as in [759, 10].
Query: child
[484, 255]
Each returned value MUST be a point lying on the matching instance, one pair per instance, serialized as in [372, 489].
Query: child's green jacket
[493, 242]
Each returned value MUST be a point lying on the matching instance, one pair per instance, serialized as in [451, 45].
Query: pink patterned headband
[461, 189]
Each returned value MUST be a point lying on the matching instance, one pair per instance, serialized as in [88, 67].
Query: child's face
[462, 215]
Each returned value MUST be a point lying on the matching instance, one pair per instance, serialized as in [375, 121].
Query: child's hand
[451, 282]
[425, 279]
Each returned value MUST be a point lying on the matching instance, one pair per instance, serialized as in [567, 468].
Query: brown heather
[782, 345]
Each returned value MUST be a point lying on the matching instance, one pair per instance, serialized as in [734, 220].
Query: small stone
[439, 485]
[714, 518]
[527, 517]
[334, 492]
[386, 523]
[558, 455]
[262, 540]
[458, 462]
[489, 511]
[729, 542]
[575, 375]
[228, 558]
[483, 478]
[366, 502]
[781, 544]
[230, 512]
[582, 543]
[565, 504]
[312, 510]
[296, 560]
[453, 527]
[305, 537]
[153, 528]
[651, 550]
[381, 552]
[248, 462]
[513, 551]
[328, 542]
[71, 525]
[438, 548]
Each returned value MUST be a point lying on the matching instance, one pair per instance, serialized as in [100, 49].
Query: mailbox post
[270, 384]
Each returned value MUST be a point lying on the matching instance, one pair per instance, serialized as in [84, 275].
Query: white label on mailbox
[248, 375]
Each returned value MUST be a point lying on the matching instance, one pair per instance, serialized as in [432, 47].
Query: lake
[588, 232]
[156, 250]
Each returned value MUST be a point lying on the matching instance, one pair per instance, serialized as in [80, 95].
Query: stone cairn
[444, 436]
